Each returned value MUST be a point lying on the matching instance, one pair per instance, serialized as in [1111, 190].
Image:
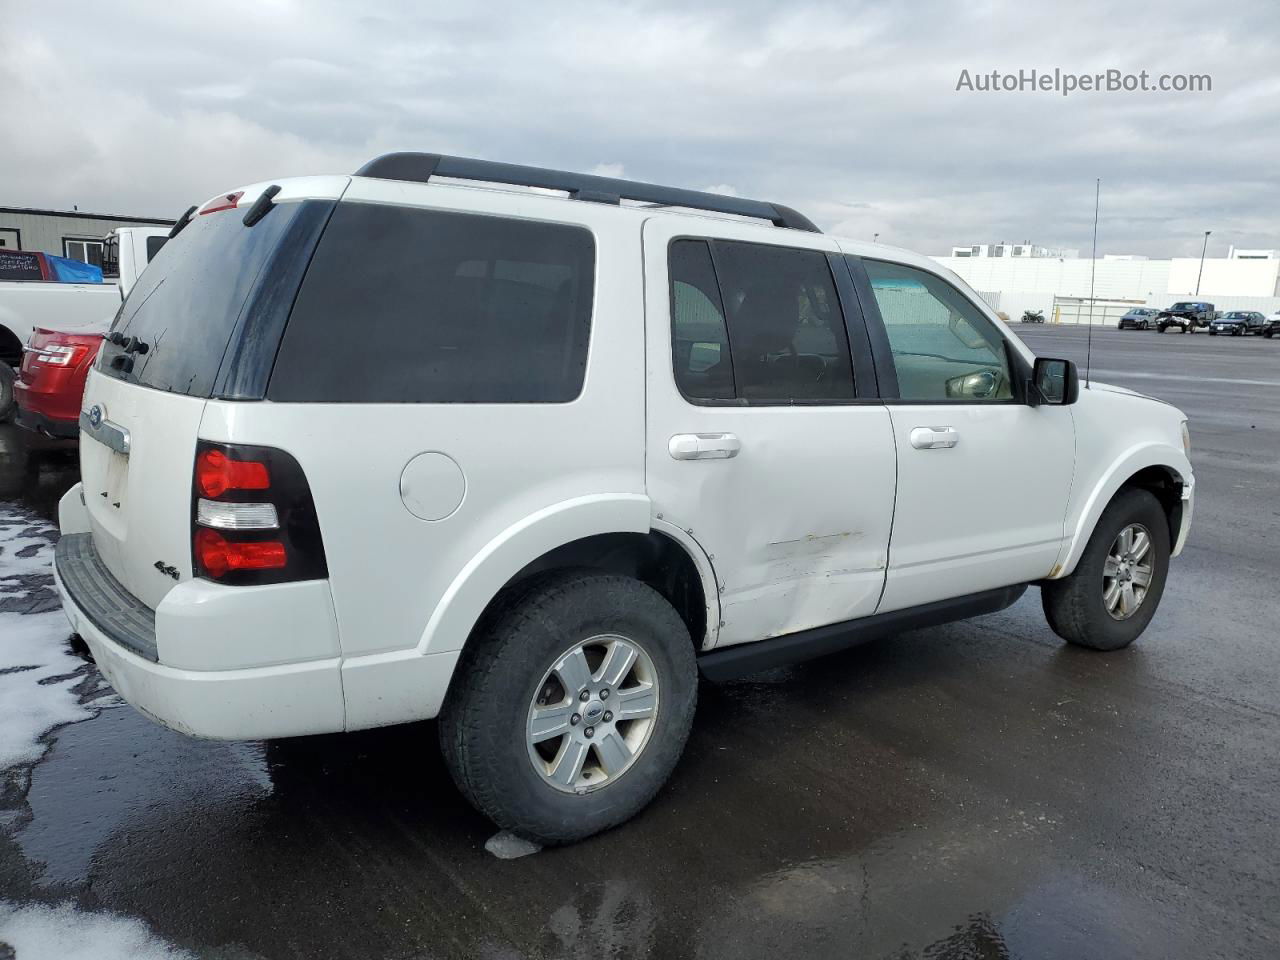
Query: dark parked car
[1186, 315]
[1139, 318]
[1273, 326]
[1238, 322]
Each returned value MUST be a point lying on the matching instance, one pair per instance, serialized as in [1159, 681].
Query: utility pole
[875, 237]
[1200, 276]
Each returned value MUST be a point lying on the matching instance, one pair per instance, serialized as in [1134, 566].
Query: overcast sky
[848, 112]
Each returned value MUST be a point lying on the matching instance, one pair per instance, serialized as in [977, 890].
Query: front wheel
[570, 706]
[1112, 594]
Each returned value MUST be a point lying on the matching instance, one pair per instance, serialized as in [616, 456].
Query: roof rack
[421, 167]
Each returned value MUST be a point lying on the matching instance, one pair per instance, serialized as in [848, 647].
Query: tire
[8, 404]
[1145, 325]
[507, 669]
[1213, 333]
[1075, 605]
[1268, 334]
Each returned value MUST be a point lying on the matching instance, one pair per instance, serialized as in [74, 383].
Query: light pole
[1200, 275]
[875, 237]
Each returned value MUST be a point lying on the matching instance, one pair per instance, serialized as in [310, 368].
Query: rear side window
[153, 246]
[774, 310]
[406, 305]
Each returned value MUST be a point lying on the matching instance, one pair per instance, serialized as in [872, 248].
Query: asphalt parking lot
[976, 790]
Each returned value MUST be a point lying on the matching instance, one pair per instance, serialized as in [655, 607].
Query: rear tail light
[253, 520]
[62, 355]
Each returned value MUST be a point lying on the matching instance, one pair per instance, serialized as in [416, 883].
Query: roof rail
[421, 167]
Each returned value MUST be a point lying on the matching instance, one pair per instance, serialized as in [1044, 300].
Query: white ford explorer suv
[425, 441]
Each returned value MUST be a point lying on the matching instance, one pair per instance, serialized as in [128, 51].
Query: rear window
[406, 305]
[219, 282]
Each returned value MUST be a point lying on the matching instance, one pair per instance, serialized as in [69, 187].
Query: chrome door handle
[934, 438]
[704, 446]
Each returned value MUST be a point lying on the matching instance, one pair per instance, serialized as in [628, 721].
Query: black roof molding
[421, 167]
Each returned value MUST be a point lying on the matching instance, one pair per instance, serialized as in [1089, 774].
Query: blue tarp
[66, 270]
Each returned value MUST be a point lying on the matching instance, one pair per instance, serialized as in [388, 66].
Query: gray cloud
[846, 111]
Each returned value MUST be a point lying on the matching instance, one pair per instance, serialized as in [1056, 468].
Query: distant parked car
[1237, 323]
[1139, 318]
[1186, 315]
[1273, 325]
[51, 381]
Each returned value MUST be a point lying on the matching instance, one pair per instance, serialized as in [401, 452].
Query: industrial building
[64, 233]
[1061, 287]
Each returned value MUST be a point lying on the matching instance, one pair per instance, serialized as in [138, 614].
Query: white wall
[1227, 278]
[1018, 285]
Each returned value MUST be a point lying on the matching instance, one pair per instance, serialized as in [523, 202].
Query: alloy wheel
[592, 714]
[1127, 572]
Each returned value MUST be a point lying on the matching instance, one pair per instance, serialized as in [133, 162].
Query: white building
[1058, 286]
[1235, 253]
[1013, 250]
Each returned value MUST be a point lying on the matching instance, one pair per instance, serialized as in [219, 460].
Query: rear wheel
[571, 706]
[7, 402]
[1113, 593]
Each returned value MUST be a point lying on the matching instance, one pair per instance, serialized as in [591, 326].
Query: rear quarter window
[408, 305]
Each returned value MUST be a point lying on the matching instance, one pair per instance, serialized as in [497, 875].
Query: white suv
[373, 449]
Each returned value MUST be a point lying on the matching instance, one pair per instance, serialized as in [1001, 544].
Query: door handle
[704, 446]
[934, 438]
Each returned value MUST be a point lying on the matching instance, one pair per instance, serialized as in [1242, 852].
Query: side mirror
[1053, 382]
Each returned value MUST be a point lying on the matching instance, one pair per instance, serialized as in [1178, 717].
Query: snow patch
[36, 931]
[37, 668]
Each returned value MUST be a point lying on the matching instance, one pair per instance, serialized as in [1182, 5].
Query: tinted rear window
[215, 277]
[406, 305]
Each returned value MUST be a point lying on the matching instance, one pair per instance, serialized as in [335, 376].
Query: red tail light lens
[253, 520]
[219, 556]
[216, 473]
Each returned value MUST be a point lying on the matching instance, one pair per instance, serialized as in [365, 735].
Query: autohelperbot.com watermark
[1065, 82]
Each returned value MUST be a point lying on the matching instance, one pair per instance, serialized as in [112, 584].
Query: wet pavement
[972, 791]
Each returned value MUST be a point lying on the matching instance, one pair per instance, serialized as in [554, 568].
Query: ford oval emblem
[95, 415]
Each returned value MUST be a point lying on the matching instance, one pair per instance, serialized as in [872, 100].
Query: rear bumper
[44, 425]
[129, 642]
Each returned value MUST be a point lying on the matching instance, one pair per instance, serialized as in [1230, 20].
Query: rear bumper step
[111, 608]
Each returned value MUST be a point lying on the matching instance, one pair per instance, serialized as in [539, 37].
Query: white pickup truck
[29, 300]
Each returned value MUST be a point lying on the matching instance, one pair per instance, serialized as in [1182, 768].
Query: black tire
[1074, 605]
[483, 722]
[1213, 333]
[8, 405]
[1161, 328]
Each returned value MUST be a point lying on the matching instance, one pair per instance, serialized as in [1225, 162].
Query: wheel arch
[614, 534]
[1155, 467]
[10, 347]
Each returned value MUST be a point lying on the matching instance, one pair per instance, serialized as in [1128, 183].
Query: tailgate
[136, 464]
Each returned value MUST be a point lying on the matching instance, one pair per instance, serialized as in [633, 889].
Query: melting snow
[37, 668]
[36, 931]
